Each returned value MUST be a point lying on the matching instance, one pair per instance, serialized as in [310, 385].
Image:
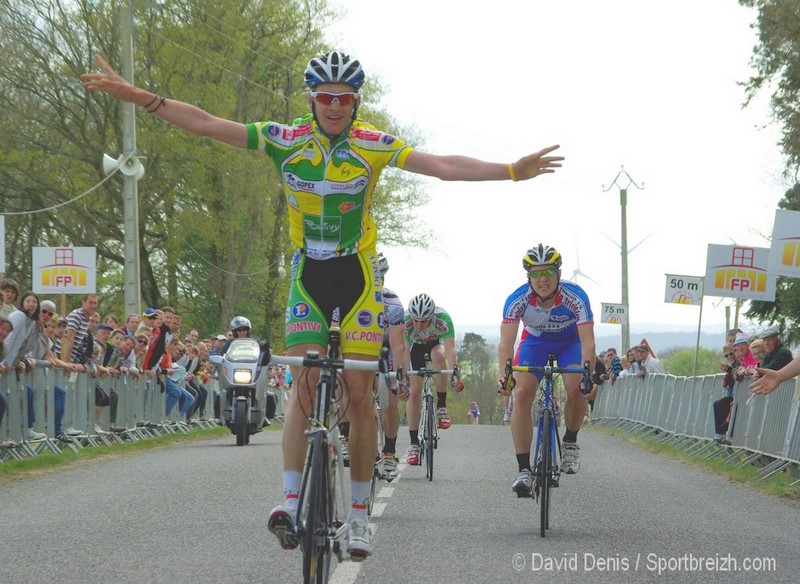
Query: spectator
[777, 356]
[176, 395]
[194, 378]
[131, 324]
[5, 328]
[112, 321]
[744, 356]
[616, 364]
[17, 344]
[10, 294]
[758, 348]
[731, 336]
[192, 336]
[626, 366]
[647, 360]
[42, 350]
[635, 367]
[722, 407]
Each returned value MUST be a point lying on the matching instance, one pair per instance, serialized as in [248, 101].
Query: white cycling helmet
[334, 67]
[421, 307]
[240, 322]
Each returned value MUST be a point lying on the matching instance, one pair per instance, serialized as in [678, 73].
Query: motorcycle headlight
[243, 376]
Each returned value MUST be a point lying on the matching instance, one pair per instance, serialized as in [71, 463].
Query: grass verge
[777, 485]
[48, 462]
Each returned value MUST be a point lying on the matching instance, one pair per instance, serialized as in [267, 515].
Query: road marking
[386, 492]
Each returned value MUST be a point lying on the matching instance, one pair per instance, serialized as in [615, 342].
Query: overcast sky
[648, 85]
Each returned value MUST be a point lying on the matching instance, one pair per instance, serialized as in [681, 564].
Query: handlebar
[310, 360]
[425, 372]
[549, 370]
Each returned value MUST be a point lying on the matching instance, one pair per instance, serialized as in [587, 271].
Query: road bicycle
[319, 526]
[547, 453]
[428, 426]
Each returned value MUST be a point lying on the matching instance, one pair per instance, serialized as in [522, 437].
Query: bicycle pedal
[524, 494]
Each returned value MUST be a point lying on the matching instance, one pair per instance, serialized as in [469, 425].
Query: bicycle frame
[319, 524]
[547, 452]
[428, 427]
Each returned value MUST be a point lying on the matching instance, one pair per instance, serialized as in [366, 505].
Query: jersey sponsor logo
[364, 336]
[369, 135]
[297, 184]
[382, 320]
[303, 327]
[347, 206]
[342, 154]
[273, 130]
[314, 227]
[301, 310]
[378, 297]
[560, 317]
[351, 187]
[364, 318]
[387, 139]
[296, 132]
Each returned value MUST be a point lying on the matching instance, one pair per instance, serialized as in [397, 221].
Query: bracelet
[161, 101]
[511, 174]
[151, 102]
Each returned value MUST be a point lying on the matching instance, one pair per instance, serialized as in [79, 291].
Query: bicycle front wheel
[545, 471]
[316, 515]
[430, 431]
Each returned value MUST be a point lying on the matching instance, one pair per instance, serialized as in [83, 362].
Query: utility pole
[623, 180]
[130, 179]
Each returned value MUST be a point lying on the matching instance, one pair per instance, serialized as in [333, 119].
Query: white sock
[291, 486]
[360, 500]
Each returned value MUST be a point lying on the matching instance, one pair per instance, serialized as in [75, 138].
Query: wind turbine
[577, 271]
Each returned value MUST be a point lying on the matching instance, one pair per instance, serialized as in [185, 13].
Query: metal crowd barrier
[679, 410]
[138, 401]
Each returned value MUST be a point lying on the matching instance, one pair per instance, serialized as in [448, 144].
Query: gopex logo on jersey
[297, 184]
[301, 310]
[741, 274]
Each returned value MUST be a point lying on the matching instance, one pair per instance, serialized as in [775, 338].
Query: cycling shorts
[318, 287]
[533, 352]
[419, 351]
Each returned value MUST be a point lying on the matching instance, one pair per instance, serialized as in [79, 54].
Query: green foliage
[478, 366]
[212, 219]
[681, 363]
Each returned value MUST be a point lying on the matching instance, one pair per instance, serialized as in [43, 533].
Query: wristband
[511, 173]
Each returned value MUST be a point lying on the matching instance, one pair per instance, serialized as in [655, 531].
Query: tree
[212, 219]
[479, 373]
[776, 59]
[681, 362]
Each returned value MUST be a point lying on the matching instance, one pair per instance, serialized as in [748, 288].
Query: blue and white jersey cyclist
[557, 318]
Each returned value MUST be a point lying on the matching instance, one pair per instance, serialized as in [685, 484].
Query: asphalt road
[197, 513]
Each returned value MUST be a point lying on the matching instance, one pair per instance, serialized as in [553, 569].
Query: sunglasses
[548, 273]
[48, 312]
[326, 98]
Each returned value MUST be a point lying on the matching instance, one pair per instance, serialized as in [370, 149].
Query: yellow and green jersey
[328, 184]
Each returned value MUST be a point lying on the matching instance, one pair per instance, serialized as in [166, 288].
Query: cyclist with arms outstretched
[329, 162]
[556, 318]
[429, 331]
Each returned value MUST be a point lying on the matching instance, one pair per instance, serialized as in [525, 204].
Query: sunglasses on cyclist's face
[547, 273]
[325, 98]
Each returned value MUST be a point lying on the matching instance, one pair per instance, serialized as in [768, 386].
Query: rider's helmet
[8, 283]
[240, 323]
[334, 67]
[541, 255]
[421, 307]
[381, 266]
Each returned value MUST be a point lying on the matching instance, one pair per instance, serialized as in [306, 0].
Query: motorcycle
[243, 378]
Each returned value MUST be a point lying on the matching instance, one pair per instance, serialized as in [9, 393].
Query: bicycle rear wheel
[545, 470]
[430, 431]
[315, 517]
